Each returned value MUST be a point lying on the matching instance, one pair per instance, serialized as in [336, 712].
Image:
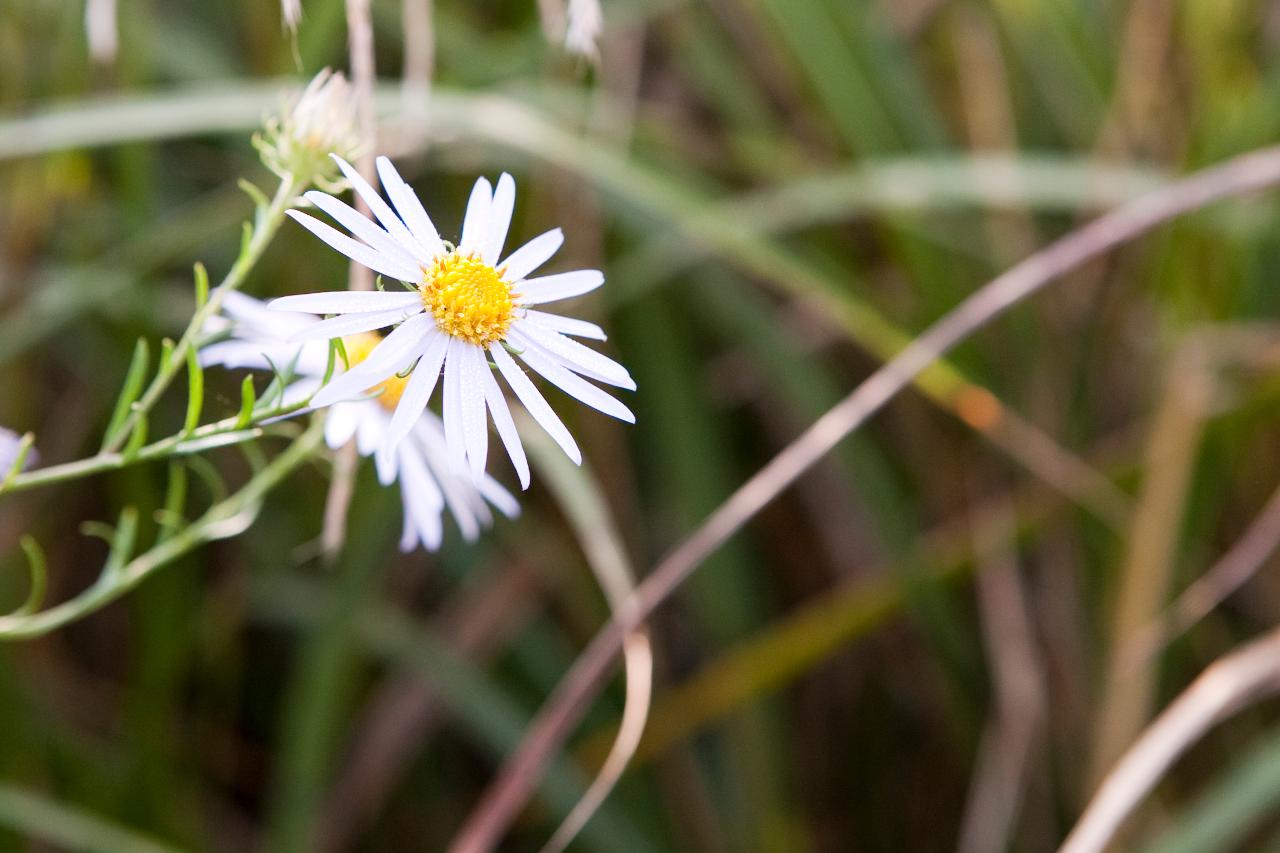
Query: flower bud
[319, 122]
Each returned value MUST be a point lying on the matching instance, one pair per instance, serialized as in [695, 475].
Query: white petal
[245, 354]
[499, 497]
[575, 386]
[566, 325]
[475, 423]
[385, 360]
[504, 202]
[408, 538]
[345, 301]
[534, 402]
[460, 493]
[410, 208]
[565, 285]
[573, 355]
[506, 426]
[531, 255]
[298, 392]
[457, 489]
[256, 315]
[364, 228]
[453, 377]
[475, 500]
[369, 435]
[475, 225]
[422, 501]
[379, 208]
[350, 324]
[340, 425]
[418, 390]
[305, 359]
[386, 464]
[355, 250]
[426, 490]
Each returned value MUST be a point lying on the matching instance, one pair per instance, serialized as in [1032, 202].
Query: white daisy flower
[430, 480]
[463, 308]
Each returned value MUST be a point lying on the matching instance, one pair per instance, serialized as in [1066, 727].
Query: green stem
[227, 518]
[223, 433]
[266, 223]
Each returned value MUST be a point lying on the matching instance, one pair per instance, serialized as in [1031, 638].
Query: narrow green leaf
[195, 391]
[408, 371]
[126, 534]
[247, 399]
[253, 455]
[67, 826]
[39, 575]
[210, 476]
[280, 380]
[336, 351]
[202, 285]
[259, 198]
[332, 363]
[136, 439]
[98, 530]
[170, 518]
[132, 388]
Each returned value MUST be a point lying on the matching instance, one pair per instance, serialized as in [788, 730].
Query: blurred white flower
[10, 447]
[582, 34]
[317, 123]
[430, 481]
[101, 30]
[291, 14]
[462, 307]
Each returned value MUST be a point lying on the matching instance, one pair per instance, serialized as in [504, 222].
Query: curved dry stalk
[638, 656]
[1009, 740]
[346, 461]
[579, 496]
[1250, 552]
[514, 784]
[1145, 570]
[1230, 684]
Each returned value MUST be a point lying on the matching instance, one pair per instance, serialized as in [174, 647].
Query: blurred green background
[922, 646]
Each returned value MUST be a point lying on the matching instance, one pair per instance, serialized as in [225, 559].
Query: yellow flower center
[468, 298]
[358, 348]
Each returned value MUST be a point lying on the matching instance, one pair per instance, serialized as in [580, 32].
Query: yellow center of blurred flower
[358, 348]
[468, 298]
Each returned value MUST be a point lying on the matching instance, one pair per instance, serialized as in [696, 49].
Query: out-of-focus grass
[804, 184]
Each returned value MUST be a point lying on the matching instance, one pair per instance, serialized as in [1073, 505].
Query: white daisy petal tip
[280, 303]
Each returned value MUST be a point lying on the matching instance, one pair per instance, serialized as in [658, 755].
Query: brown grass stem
[515, 782]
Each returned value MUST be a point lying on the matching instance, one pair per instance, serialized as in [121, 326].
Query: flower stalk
[122, 572]
[267, 221]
